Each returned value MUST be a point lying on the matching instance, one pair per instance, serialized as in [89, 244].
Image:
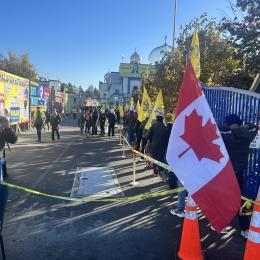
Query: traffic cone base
[190, 248]
[252, 251]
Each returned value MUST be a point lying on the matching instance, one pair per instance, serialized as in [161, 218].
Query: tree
[96, 94]
[81, 91]
[218, 64]
[243, 31]
[18, 65]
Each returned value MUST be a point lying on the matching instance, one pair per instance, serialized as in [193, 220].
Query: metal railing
[246, 104]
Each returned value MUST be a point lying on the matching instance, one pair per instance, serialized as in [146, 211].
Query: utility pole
[174, 23]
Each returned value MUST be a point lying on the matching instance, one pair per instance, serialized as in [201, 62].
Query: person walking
[111, 122]
[55, 123]
[38, 120]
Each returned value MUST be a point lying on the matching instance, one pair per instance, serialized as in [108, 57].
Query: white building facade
[118, 87]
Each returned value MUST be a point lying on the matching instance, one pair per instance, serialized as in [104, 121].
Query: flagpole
[174, 23]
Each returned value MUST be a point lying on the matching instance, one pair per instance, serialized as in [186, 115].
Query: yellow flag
[132, 103]
[121, 110]
[145, 107]
[195, 53]
[126, 107]
[158, 110]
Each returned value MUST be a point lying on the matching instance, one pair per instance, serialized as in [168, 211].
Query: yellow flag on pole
[132, 103]
[158, 110]
[195, 53]
[145, 106]
[121, 110]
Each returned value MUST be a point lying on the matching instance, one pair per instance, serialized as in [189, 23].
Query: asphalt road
[37, 227]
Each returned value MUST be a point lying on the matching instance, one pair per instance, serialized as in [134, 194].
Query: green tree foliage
[18, 65]
[218, 64]
[243, 31]
[92, 92]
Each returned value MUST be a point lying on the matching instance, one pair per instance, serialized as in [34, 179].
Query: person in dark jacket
[117, 115]
[95, 117]
[237, 138]
[143, 132]
[102, 121]
[154, 136]
[130, 125]
[138, 133]
[55, 122]
[7, 135]
[111, 122]
[164, 143]
[38, 120]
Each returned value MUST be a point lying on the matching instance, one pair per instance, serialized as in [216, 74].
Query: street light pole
[174, 23]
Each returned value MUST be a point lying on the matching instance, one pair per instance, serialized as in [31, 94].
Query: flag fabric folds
[158, 109]
[198, 157]
[138, 107]
[121, 111]
[145, 106]
[195, 53]
[132, 104]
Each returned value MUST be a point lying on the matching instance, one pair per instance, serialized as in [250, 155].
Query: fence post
[120, 135]
[123, 155]
[134, 182]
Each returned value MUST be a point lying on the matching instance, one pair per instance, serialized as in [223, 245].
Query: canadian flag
[198, 157]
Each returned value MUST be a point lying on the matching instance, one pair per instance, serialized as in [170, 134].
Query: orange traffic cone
[190, 248]
[253, 241]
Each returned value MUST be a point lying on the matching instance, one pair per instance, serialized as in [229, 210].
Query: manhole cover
[97, 182]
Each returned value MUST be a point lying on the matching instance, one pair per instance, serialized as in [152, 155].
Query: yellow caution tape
[121, 199]
[247, 204]
[163, 165]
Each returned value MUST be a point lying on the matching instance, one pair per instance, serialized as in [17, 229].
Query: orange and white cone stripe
[253, 241]
[190, 248]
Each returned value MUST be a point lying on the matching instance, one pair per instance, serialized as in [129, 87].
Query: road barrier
[246, 104]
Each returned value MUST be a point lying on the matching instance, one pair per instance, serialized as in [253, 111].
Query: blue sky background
[78, 40]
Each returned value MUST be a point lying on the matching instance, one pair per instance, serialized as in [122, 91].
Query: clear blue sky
[78, 40]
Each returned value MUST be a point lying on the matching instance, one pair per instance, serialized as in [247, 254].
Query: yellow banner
[157, 110]
[195, 54]
[15, 96]
[134, 70]
[145, 106]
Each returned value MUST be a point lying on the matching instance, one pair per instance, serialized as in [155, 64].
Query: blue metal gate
[246, 104]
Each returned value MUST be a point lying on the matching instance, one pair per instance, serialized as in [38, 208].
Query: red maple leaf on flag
[200, 138]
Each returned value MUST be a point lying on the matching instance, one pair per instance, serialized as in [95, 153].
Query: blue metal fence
[246, 104]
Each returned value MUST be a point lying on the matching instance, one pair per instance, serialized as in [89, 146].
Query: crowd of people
[153, 141]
